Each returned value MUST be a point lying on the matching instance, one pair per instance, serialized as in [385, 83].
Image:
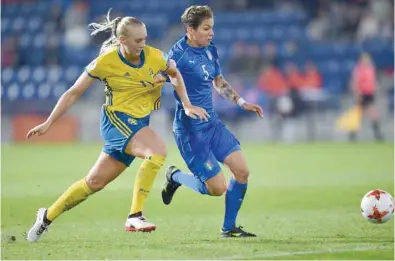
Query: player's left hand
[253, 107]
[39, 130]
[196, 112]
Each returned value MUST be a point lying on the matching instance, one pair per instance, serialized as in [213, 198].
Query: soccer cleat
[39, 227]
[139, 224]
[236, 232]
[169, 187]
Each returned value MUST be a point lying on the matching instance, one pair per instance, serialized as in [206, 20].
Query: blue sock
[190, 181]
[233, 200]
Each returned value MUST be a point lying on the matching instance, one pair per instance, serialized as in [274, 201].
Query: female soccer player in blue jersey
[131, 72]
[204, 144]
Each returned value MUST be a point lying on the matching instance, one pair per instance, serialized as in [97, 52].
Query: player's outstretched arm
[226, 91]
[179, 85]
[64, 103]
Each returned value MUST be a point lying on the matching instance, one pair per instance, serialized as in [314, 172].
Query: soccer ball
[377, 206]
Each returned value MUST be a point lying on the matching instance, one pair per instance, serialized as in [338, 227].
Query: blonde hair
[118, 28]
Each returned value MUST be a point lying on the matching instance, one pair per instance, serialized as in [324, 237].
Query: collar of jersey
[185, 45]
[125, 61]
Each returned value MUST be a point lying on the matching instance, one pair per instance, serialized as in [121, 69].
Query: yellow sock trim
[74, 195]
[145, 178]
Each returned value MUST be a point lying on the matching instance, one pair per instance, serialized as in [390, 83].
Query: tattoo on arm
[227, 91]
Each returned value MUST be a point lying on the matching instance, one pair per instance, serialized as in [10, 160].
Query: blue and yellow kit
[131, 95]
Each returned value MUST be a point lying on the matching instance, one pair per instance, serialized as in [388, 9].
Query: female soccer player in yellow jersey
[130, 70]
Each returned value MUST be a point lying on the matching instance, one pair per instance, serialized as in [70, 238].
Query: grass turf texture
[303, 201]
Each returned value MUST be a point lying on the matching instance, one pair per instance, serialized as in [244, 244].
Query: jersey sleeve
[178, 55]
[95, 69]
[164, 61]
[217, 65]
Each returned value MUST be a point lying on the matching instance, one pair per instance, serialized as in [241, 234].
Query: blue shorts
[117, 128]
[202, 150]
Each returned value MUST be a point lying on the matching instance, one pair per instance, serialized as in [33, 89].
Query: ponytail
[107, 25]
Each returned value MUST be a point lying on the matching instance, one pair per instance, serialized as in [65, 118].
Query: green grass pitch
[303, 202]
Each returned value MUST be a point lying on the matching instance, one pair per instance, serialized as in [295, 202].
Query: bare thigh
[237, 164]
[105, 170]
[146, 142]
[217, 185]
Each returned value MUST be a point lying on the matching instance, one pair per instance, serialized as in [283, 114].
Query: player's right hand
[38, 130]
[196, 112]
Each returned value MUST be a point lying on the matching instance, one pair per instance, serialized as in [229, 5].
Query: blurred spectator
[10, 52]
[54, 23]
[270, 54]
[254, 61]
[295, 80]
[364, 88]
[293, 77]
[238, 62]
[312, 78]
[368, 27]
[380, 9]
[287, 5]
[272, 82]
[319, 27]
[351, 21]
[75, 21]
[52, 52]
[291, 48]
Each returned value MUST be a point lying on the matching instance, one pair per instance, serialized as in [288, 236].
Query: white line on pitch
[310, 252]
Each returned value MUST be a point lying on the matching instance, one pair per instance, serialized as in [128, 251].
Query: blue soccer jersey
[199, 67]
[201, 144]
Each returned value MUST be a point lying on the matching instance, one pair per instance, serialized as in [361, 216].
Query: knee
[95, 184]
[159, 149]
[241, 175]
[217, 190]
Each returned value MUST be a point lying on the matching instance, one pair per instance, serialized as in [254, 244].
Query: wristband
[241, 102]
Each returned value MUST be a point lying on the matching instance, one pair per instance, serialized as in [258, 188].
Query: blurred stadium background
[293, 57]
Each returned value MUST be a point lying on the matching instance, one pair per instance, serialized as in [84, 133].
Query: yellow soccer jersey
[129, 88]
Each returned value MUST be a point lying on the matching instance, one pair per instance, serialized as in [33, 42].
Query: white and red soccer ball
[377, 206]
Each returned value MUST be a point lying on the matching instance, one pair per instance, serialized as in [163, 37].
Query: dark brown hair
[194, 15]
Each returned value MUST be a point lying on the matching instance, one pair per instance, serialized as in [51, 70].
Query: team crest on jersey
[132, 121]
[209, 55]
[208, 165]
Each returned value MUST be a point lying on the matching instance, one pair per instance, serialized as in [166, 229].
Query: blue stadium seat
[35, 56]
[8, 76]
[39, 75]
[58, 89]
[54, 74]
[334, 60]
[5, 25]
[44, 91]
[9, 10]
[34, 24]
[242, 33]
[18, 24]
[24, 75]
[13, 92]
[28, 91]
[25, 41]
